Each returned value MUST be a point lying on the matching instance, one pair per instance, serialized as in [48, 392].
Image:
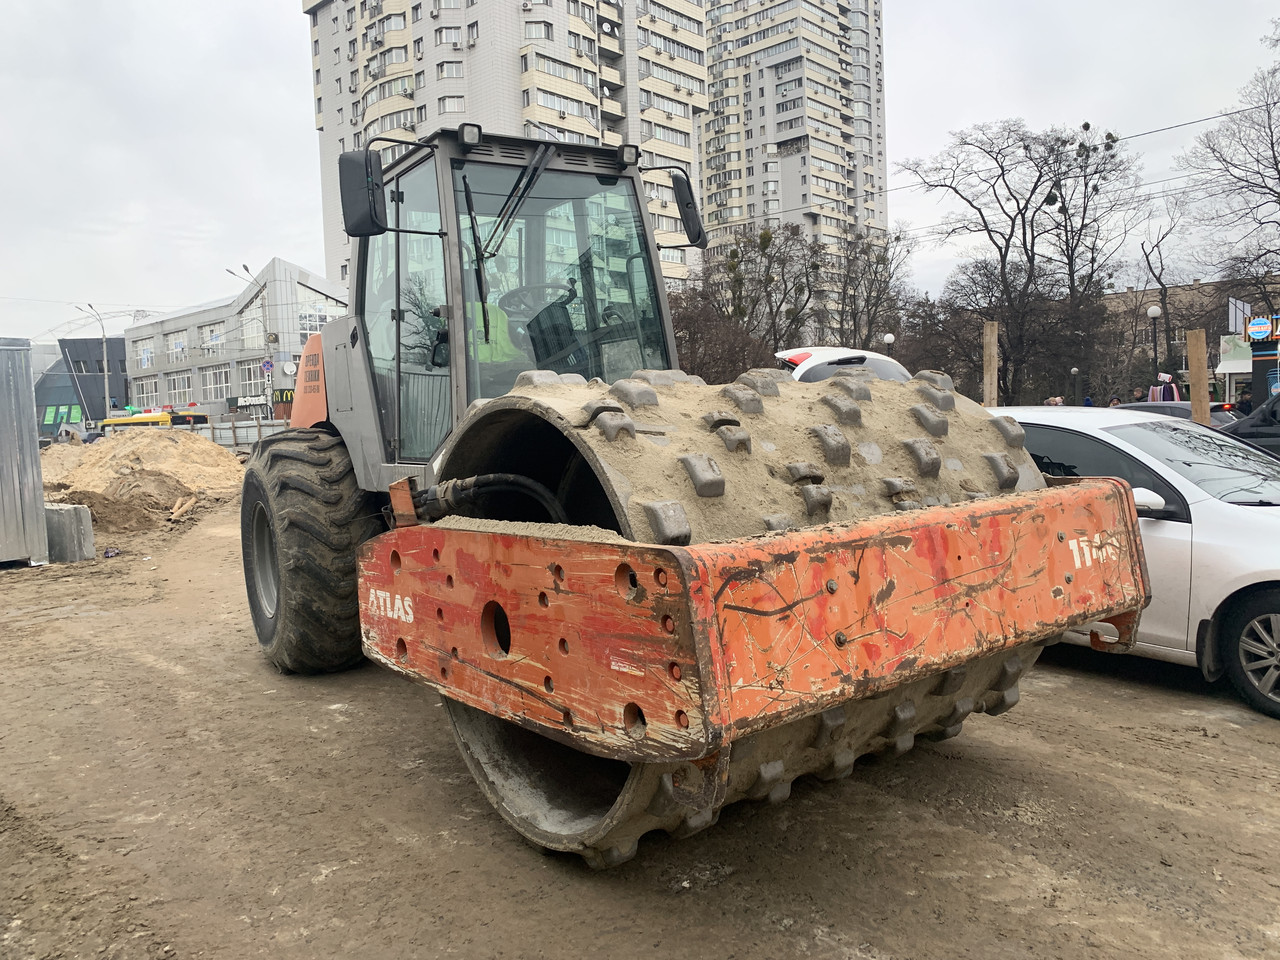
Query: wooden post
[1198, 365]
[990, 363]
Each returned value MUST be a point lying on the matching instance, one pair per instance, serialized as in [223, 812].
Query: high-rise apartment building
[595, 72]
[795, 131]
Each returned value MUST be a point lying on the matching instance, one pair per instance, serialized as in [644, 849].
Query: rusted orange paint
[762, 630]
[402, 502]
[310, 402]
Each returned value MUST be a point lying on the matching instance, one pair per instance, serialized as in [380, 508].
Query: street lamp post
[889, 338]
[106, 369]
[1153, 312]
[1075, 383]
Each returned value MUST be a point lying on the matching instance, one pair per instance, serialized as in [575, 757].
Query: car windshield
[882, 368]
[1219, 465]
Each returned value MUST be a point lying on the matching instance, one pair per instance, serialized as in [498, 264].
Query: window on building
[146, 392]
[451, 104]
[445, 35]
[537, 30]
[253, 329]
[211, 338]
[450, 68]
[416, 12]
[473, 31]
[215, 382]
[178, 387]
[144, 352]
[175, 346]
[253, 382]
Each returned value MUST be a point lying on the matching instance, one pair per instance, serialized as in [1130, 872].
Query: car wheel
[1251, 651]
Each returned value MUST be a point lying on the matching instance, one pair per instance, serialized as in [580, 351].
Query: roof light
[469, 135]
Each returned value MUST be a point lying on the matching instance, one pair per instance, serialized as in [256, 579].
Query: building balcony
[606, 10]
[612, 108]
[608, 46]
[610, 76]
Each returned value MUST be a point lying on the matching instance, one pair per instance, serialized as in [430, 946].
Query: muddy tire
[1251, 651]
[302, 518]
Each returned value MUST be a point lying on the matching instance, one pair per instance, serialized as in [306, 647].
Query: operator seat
[555, 345]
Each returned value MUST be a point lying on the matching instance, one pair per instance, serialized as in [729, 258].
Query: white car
[811, 364]
[1209, 511]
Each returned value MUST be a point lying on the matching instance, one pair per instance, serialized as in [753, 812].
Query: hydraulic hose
[442, 499]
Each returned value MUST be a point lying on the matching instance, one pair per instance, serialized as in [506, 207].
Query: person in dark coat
[1245, 403]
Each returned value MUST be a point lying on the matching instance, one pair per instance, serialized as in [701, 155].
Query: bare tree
[1093, 206]
[1238, 164]
[865, 285]
[1050, 212]
[1155, 255]
[710, 344]
[743, 307]
[768, 282]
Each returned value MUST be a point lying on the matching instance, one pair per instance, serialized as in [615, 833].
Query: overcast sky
[154, 143]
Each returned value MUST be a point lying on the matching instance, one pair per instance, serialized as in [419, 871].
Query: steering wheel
[529, 299]
[613, 317]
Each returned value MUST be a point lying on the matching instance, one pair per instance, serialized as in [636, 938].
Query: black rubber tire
[302, 518]
[1250, 641]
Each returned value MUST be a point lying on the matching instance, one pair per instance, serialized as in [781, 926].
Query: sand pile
[133, 480]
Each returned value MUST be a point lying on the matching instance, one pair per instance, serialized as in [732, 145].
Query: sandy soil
[164, 793]
[131, 481]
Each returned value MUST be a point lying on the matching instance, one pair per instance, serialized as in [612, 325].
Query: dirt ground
[165, 794]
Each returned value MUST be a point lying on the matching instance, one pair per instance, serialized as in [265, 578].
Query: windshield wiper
[1253, 503]
[520, 191]
[481, 286]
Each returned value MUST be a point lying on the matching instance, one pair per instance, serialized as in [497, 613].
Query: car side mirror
[688, 207]
[1150, 504]
[364, 199]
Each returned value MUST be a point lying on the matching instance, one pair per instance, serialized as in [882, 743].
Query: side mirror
[1150, 504]
[364, 200]
[683, 190]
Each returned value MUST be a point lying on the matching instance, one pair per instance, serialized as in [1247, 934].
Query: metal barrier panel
[238, 434]
[22, 531]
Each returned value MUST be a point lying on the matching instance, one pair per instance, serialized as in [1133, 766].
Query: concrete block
[70, 532]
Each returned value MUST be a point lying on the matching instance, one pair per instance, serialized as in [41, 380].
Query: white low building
[228, 355]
